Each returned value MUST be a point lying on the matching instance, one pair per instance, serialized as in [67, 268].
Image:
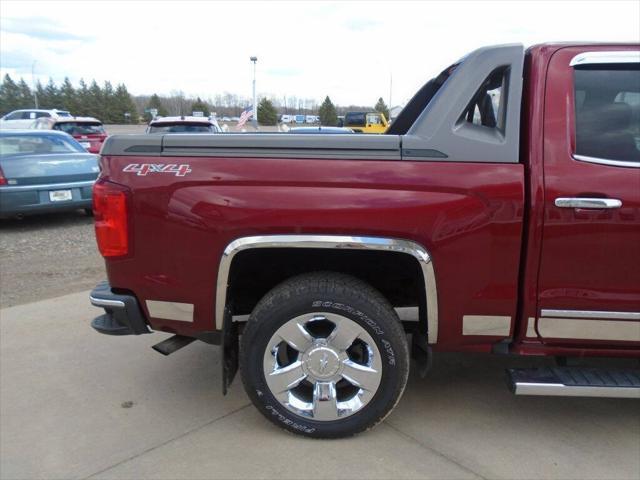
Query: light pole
[255, 105]
[33, 83]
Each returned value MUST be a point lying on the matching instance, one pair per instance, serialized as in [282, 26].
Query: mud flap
[230, 351]
[421, 353]
[420, 349]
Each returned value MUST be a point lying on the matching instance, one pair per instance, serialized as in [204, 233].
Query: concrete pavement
[76, 404]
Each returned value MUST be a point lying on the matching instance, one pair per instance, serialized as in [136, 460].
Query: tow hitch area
[575, 382]
[171, 344]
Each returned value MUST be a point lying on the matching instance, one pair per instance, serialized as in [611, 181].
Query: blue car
[42, 171]
[320, 129]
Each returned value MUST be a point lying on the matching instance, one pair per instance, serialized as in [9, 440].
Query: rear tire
[324, 355]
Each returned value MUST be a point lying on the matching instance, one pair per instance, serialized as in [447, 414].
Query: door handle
[593, 203]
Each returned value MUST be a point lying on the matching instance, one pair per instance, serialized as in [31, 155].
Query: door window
[607, 112]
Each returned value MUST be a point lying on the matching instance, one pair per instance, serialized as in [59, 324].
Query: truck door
[589, 278]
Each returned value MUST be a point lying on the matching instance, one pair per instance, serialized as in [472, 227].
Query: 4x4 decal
[142, 169]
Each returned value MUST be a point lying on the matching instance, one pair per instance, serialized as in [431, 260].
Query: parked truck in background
[502, 207]
[366, 122]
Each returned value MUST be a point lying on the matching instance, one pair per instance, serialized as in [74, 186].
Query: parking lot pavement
[76, 404]
[45, 256]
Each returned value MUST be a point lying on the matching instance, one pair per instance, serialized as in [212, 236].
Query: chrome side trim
[560, 390]
[331, 242]
[591, 203]
[590, 314]
[531, 328]
[606, 161]
[99, 302]
[601, 58]
[486, 325]
[182, 312]
[589, 329]
[47, 186]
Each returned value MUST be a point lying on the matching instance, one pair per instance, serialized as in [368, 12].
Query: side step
[575, 382]
[171, 344]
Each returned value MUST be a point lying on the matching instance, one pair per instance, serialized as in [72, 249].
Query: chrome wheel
[322, 366]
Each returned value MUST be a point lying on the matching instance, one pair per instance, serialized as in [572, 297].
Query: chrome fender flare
[344, 242]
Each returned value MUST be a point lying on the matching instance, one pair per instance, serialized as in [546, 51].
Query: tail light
[3, 180]
[110, 202]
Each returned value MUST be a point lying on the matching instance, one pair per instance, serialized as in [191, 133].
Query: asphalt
[76, 404]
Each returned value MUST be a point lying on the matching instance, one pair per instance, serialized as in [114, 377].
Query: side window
[607, 112]
[487, 108]
[14, 116]
[373, 119]
[42, 114]
[355, 119]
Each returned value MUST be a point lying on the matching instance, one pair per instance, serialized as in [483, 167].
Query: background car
[44, 170]
[24, 118]
[184, 124]
[320, 129]
[88, 131]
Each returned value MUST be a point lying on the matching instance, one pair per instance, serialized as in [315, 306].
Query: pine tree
[327, 113]
[200, 106]
[94, 106]
[51, 96]
[26, 96]
[267, 113]
[126, 110]
[382, 108]
[68, 97]
[154, 102]
[110, 113]
[83, 99]
[40, 93]
[9, 95]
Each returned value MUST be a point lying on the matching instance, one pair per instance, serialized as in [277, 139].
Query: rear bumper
[24, 199]
[123, 315]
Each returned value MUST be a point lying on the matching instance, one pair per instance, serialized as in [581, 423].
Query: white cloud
[307, 49]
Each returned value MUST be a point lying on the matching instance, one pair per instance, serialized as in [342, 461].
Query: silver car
[24, 118]
[184, 124]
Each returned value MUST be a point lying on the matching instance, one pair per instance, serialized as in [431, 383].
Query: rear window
[182, 128]
[487, 108]
[354, 119]
[80, 128]
[38, 144]
[607, 106]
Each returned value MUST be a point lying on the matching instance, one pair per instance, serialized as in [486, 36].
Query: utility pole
[33, 83]
[255, 105]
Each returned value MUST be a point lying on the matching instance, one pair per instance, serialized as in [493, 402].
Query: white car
[25, 118]
[184, 124]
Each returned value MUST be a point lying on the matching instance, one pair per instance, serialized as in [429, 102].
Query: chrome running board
[575, 382]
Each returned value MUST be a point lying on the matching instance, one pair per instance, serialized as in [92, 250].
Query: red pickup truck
[500, 213]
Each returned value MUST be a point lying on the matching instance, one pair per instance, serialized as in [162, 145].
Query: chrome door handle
[594, 203]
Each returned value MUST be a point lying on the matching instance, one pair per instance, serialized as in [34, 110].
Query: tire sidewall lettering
[287, 421]
[386, 345]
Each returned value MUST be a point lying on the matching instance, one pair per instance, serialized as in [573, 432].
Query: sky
[354, 52]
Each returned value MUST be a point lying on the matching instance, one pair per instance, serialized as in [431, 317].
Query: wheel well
[254, 272]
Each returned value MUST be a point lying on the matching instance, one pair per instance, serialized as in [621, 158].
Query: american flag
[246, 114]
